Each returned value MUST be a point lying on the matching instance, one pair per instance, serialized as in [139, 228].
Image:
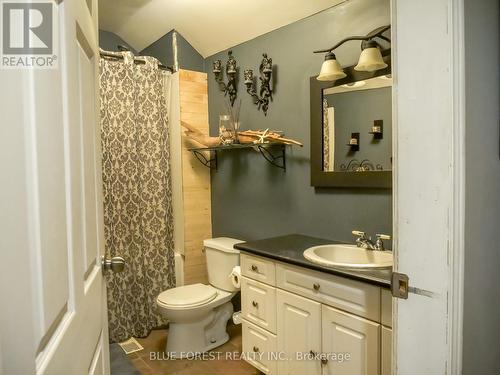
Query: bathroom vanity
[303, 318]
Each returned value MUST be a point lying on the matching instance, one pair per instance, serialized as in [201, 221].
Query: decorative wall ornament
[231, 71]
[360, 166]
[266, 92]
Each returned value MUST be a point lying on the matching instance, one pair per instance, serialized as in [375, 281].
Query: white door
[346, 334]
[298, 331]
[53, 317]
[428, 183]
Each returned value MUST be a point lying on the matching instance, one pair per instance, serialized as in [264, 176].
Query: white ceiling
[209, 25]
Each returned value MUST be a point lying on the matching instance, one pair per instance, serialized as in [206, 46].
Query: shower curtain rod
[137, 60]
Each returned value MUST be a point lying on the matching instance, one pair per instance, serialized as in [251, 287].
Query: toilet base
[187, 339]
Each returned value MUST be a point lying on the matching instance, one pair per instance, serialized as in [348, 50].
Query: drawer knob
[316, 286]
[254, 268]
[255, 349]
[254, 304]
[324, 361]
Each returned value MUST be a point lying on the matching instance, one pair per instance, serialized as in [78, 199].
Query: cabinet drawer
[348, 295]
[258, 346]
[258, 304]
[259, 269]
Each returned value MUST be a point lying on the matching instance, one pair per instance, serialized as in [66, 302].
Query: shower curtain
[138, 222]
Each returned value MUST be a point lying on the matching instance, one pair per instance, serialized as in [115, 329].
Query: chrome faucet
[366, 242]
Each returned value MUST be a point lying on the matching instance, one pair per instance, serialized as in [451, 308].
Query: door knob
[115, 264]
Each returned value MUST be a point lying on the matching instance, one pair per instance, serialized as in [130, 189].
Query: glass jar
[227, 134]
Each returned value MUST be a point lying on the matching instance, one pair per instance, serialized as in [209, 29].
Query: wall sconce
[370, 59]
[377, 129]
[354, 142]
[266, 93]
[231, 70]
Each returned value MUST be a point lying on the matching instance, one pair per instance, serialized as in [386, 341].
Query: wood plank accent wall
[193, 90]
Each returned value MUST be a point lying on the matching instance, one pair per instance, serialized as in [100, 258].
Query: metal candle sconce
[354, 142]
[266, 93]
[377, 129]
[231, 70]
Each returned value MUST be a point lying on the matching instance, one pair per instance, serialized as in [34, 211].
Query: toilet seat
[187, 296]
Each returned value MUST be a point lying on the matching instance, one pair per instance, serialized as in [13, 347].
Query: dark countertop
[289, 249]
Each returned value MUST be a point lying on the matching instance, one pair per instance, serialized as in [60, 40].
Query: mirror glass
[357, 126]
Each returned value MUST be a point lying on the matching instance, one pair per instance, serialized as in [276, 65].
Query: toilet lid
[189, 295]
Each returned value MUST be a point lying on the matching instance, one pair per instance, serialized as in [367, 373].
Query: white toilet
[198, 313]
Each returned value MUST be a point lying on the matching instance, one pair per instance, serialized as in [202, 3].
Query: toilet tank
[221, 258]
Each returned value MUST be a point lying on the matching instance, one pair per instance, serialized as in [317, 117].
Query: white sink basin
[348, 256]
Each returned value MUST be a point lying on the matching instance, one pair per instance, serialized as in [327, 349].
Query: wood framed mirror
[351, 130]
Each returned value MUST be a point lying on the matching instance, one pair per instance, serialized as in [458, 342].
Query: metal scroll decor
[356, 166]
[265, 92]
[231, 72]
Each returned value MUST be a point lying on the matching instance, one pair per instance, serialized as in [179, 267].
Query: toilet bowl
[198, 313]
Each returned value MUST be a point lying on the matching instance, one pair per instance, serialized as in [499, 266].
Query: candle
[248, 76]
[217, 66]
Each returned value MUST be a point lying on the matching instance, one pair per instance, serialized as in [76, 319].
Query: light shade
[331, 69]
[370, 59]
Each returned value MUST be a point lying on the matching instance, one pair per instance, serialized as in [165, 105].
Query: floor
[119, 363]
[155, 343]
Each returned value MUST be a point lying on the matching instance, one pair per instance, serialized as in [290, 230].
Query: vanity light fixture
[331, 69]
[370, 59]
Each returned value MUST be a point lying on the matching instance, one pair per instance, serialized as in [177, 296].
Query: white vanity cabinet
[299, 319]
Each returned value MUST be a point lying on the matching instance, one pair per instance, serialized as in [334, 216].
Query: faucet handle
[379, 245]
[359, 233]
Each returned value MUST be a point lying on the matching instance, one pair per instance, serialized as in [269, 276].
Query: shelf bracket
[209, 163]
[277, 159]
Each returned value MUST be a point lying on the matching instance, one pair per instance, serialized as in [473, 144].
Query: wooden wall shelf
[273, 152]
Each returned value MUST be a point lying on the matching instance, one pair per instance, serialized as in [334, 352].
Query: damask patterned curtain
[138, 223]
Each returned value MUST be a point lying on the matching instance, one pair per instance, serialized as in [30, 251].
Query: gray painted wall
[481, 354]
[250, 198]
[110, 41]
[188, 57]
[355, 112]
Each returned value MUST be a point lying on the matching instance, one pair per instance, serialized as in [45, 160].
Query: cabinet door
[299, 333]
[386, 351]
[346, 334]
[258, 304]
